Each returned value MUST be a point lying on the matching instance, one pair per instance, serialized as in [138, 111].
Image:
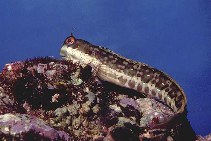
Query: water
[173, 36]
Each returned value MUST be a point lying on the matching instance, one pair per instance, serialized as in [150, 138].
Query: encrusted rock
[20, 126]
[52, 99]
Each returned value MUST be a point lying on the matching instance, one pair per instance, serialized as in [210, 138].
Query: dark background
[173, 36]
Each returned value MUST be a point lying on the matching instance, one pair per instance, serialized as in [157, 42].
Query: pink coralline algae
[50, 99]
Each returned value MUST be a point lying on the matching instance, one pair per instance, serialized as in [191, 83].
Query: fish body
[114, 68]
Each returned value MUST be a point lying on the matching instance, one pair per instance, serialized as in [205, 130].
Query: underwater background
[173, 36]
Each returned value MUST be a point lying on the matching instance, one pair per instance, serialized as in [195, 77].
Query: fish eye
[70, 40]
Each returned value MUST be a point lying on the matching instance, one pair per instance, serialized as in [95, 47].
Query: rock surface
[50, 99]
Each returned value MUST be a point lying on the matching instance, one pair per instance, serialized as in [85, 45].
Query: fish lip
[63, 53]
[63, 57]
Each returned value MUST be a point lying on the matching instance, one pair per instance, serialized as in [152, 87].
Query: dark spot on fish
[89, 52]
[179, 98]
[131, 84]
[158, 84]
[153, 81]
[171, 94]
[146, 89]
[167, 89]
[153, 92]
[164, 86]
[139, 88]
[138, 74]
[160, 95]
[146, 78]
[178, 104]
[165, 99]
[122, 80]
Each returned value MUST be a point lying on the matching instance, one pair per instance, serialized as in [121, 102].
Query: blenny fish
[116, 69]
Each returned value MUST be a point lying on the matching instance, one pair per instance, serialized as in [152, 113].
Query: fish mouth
[63, 52]
[64, 57]
[67, 54]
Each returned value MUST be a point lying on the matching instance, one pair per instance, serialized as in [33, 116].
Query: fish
[119, 70]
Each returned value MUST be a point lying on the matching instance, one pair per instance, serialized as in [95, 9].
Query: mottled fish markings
[124, 72]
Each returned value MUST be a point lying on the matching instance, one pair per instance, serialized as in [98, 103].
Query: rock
[50, 99]
[21, 126]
